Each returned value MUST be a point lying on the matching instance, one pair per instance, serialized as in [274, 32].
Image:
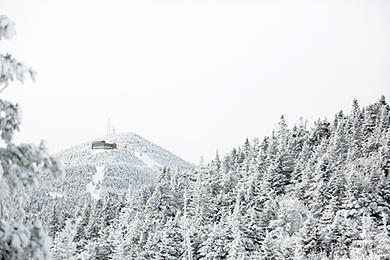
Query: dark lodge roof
[103, 145]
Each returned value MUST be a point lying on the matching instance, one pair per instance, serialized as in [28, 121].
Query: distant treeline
[318, 193]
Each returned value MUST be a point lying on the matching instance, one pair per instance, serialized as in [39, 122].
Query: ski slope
[145, 158]
[91, 187]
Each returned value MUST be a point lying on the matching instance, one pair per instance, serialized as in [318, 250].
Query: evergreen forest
[304, 192]
[301, 193]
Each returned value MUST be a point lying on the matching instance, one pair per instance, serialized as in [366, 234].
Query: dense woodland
[318, 193]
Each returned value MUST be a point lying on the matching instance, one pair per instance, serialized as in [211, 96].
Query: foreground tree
[20, 169]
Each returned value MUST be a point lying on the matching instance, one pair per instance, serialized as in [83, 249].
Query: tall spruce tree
[20, 168]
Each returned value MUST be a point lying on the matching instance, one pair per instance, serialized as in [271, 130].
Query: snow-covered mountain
[135, 162]
[319, 193]
[92, 173]
[132, 148]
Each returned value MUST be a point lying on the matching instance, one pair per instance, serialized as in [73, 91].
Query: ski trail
[91, 187]
[147, 160]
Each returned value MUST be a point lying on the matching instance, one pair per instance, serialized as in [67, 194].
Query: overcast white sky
[193, 76]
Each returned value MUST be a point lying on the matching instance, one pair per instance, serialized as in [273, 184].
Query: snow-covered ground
[147, 160]
[55, 195]
[96, 151]
[91, 187]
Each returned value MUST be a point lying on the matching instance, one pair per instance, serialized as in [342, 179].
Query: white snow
[147, 160]
[55, 195]
[96, 151]
[98, 176]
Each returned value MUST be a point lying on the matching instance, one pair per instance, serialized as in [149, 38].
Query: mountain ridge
[133, 143]
[91, 174]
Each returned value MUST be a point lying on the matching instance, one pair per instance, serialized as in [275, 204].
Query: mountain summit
[131, 148]
[94, 173]
[134, 162]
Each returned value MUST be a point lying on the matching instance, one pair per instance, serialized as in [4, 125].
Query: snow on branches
[7, 28]
[20, 169]
[10, 68]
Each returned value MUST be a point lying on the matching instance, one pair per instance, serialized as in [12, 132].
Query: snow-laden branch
[7, 28]
[20, 163]
[9, 120]
[21, 168]
[10, 68]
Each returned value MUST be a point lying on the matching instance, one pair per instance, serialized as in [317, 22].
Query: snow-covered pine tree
[19, 169]
[54, 222]
[117, 241]
[237, 248]
[64, 247]
[365, 245]
[172, 241]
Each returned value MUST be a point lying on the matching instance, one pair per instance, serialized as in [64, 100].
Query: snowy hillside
[131, 148]
[135, 162]
[302, 193]
[91, 174]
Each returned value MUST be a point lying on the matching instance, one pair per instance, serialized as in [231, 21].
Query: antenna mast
[108, 127]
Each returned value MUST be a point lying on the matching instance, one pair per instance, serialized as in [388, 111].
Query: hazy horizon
[194, 76]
